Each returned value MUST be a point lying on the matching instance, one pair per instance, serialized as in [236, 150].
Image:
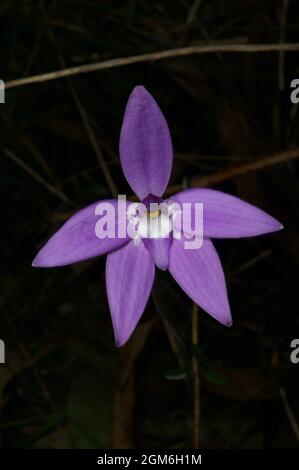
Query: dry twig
[196, 380]
[257, 164]
[160, 55]
[12, 156]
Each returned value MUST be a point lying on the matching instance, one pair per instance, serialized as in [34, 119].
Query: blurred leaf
[208, 366]
[244, 384]
[50, 423]
[90, 405]
[176, 374]
[124, 395]
[213, 377]
[5, 377]
[166, 302]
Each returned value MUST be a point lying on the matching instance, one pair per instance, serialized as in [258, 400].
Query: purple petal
[130, 274]
[226, 216]
[200, 275]
[145, 145]
[76, 240]
[159, 249]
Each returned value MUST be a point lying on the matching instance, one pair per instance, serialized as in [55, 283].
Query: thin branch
[30, 146]
[193, 12]
[196, 381]
[36, 176]
[94, 142]
[284, 16]
[293, 422]
[160, 55]
[84, 116]
[238, 170]
[173, 344]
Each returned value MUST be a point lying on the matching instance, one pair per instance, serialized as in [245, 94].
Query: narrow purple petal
[130, 275]
[145, 145]
[76, 240]
[200, 275]
[159, 249]
[226, 216]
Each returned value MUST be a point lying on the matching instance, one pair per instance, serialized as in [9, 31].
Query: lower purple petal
[159, 249]
[76, 240]
[200, 275]
[130, 275]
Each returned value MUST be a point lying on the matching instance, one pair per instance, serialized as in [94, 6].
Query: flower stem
[196, 380]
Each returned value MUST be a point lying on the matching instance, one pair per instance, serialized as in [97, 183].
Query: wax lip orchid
[146, 159]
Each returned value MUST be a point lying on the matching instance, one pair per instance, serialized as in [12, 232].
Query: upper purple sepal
[145, 145]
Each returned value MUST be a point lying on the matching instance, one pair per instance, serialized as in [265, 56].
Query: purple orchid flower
[146, 159]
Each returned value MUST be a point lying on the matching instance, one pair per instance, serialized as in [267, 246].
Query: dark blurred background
[64, 384]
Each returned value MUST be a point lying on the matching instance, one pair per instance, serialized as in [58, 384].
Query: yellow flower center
[154, 214]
